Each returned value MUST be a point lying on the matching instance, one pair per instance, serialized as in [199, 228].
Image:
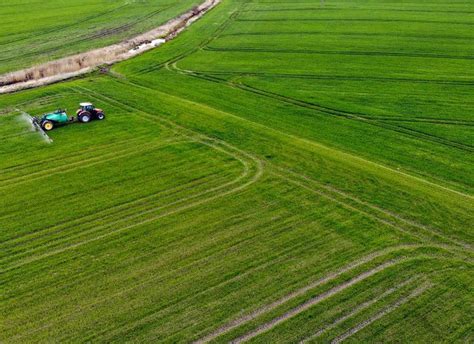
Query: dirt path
[83, 63]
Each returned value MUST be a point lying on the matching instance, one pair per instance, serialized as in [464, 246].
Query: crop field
[33, 32]
[281, 172]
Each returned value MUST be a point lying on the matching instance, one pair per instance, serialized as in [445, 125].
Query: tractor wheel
[47, 125]
[100, 116]
[85, 117]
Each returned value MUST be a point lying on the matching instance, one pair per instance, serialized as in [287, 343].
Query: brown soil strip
[382, 313]
[83, 63]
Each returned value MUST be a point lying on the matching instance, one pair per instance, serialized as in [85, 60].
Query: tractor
[84, 114]
[87, 112]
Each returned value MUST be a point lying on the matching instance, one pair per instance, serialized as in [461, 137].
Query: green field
[282, 172]
[33, 32]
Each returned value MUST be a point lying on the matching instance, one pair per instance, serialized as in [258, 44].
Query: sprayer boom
[36, 125]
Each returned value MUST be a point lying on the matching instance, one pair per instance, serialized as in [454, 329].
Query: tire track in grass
[233, 324]
[148, 196]
[303, 9]
[201, 45]
[417, 292]
[13, 136]
[368, 20]
[367, 119]
[288, 253]
[340, 52]
[315, 300]
[250, 175]
[210, 73]
[145, 270]
[332, 194]
[421, 178]
[331, 111]
[87, 38]
[356, 310]
[84, 163]
[398, 217]
[56, 235]
[120, 211]
[62, 27]
[133, 213]
[77, 156]
[343, 33]
[325, 295]
[110, 335]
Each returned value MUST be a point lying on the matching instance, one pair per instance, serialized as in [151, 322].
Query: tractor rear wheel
[85, 117]
[47, 125]
[100, 116]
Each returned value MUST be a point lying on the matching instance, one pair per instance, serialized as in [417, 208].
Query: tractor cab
[86, 107]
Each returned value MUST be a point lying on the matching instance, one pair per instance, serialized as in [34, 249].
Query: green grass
[33, 32]
[309, 168]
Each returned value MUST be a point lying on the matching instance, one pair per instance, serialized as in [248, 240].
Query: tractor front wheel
[100, 116]
[85, 117]
[47, 125]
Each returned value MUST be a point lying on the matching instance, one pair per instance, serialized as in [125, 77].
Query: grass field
[33, 32]
[281, 172]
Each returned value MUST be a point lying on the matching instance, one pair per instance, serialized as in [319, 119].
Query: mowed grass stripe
[46, 164]
[272, 314]
[46, 264]
[134, 288]
[83, 163]
[364, 118]
[148, 216]
[396, 221]
[127, 213]
[60, 236]
[40, 237]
